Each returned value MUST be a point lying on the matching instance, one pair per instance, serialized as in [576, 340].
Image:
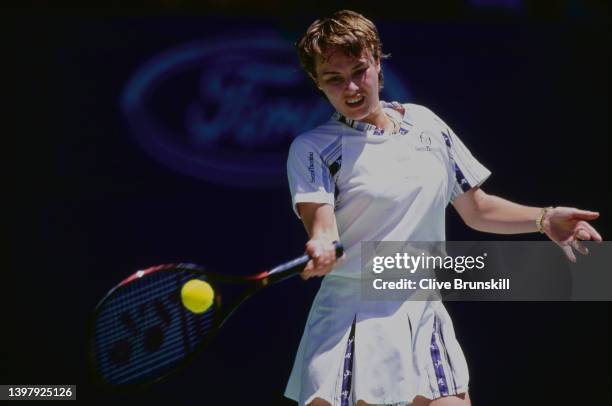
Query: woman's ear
[316, 82]
[377, 63]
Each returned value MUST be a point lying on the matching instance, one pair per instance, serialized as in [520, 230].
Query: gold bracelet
[540, 219]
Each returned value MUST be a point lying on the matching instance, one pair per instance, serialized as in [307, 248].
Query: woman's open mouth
[355, 101]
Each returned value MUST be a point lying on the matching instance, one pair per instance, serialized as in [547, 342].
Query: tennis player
[385, 171]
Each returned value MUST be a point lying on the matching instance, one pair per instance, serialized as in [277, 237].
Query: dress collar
[370, 129]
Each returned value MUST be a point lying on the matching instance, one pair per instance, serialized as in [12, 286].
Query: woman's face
[350, 84]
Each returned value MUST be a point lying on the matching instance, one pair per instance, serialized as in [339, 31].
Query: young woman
[379, 171]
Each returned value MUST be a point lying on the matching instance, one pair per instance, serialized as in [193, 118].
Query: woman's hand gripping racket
[155, 321]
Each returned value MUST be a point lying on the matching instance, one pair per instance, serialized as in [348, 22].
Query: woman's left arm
[564, 225]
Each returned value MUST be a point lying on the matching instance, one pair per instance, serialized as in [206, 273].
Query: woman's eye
[334, 79]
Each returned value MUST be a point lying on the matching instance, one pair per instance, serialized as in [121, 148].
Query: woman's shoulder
[418, 111]
[422, 115]
[318, 137]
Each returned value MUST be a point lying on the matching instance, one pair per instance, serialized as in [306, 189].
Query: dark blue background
[526, 90]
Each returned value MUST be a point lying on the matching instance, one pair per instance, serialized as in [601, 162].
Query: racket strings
[144, 329]
[140, 307]
[171, 337]
[134, 302]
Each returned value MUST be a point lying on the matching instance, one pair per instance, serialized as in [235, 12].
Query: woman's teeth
[354, 100]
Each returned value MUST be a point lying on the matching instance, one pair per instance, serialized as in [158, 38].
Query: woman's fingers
[314, 248]
[308, 270]
[569, 253]
[587, 232]
[582, 235]
[585, 214]
[578, 246]
[323, 258]
[583, 232]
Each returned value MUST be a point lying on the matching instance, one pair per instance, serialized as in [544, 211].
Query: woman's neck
[379, 119]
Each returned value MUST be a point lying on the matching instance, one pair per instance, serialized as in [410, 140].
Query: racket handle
[339, 249]
[295, 266]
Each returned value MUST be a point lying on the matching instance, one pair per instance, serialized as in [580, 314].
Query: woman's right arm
[320, 223]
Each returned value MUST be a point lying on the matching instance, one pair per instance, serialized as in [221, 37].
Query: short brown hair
[344, 29]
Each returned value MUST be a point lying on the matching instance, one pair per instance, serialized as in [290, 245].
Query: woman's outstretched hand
[568, 226]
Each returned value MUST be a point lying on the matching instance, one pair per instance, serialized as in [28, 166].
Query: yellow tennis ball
[197, 295]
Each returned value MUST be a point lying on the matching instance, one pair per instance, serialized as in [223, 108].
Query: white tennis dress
[383, 187]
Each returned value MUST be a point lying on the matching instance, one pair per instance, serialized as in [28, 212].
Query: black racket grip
[339, 249]
[295, 266]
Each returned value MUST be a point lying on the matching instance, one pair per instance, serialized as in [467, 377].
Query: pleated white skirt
[382, 352]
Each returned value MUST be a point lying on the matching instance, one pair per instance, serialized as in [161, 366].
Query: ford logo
[226, 110]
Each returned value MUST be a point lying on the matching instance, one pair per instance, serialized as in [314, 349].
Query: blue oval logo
[226, 110]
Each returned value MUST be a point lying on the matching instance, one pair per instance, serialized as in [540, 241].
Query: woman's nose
[352, 86]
